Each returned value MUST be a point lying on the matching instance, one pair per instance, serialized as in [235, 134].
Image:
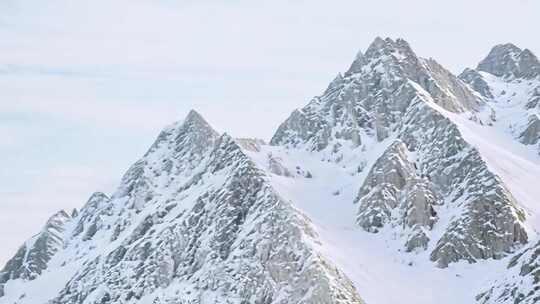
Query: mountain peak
[59, 217]
[194, 119]
[198, 127]
[509, 61]
[194, 116]
[98, 196]
[388, 45]
[506, 48]
[387, 49]
[193, 130]
[379, 42]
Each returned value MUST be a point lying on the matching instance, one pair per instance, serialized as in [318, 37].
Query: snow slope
[381, 273]
[203, 218]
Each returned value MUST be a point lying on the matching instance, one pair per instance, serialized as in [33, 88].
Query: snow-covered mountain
[509, 78]
[401, 183]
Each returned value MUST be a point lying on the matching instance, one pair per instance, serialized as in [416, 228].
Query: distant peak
[505, 48]
[509, 61]
[388, 44]
[194, 122]
[403, 42]
[194, 116]
[194, 132]
[529, 57]
[500, 52]
[57, 219]
[379, 44]
[98, 196]
[380, 47]
[59, 215]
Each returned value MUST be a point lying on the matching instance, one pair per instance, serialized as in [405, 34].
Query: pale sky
[85, 86]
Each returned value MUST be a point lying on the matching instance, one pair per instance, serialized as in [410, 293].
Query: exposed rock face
[33, 256]
[512, 75]
[509, 61]
[194, 221]
[371, 97]
[489, 224]
[379, 194]
[250, 144]
[531, 134]
[477, 82]
[275, 166]
[90, 218]
[390, 92]
[521, 282]
[394, 193]
[509, 78]
[420, 215]
[199, 219]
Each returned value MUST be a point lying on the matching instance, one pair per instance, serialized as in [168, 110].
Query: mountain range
[400, 183]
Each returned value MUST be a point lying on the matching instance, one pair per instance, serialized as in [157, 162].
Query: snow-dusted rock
[33, 256]
[427, 157]
[393, 193]
[390, 92]
[520, 284]
[477, 82]
[509, 78]
[509, 61]
[486, 221]
[250, 144]
[193, 221]
[371, 97]
[531, 134]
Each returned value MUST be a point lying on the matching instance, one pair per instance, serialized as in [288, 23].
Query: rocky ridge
[205, 218]
[390, 93]
[193, 221]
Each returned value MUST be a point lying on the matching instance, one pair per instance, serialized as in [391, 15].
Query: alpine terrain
[401, 183]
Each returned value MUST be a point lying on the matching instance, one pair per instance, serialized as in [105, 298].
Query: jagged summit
[509, 61]
[57, 219]
[193, 117]
[198, 129]
[195, 123]
[33, 256]
[509, 79]
[96, 197]
[371, 97]
[193, 221]
[396, 96]
[386, 46]
[399, 167]
[386, 50]
[193, 133]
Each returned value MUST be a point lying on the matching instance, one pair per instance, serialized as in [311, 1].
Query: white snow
[516, 164]
[381, 271]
